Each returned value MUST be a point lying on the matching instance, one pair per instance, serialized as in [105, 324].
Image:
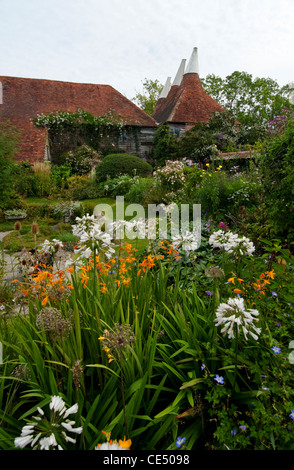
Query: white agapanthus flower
[235, 317]
[47, 434]
[187, 241]
[231, 242]
[51, 247]
[90, 234]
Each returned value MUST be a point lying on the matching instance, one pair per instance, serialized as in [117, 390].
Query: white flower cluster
[135, 228]
[42, 434]
[234, 316]
[187, 241]
[231, 242]
[51, 247]
[90, 234]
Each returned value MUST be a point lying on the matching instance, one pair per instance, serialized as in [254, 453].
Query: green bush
[117, 164]
[278, 179]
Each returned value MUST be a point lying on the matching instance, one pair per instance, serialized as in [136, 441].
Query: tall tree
[253, 101]
[149, 96]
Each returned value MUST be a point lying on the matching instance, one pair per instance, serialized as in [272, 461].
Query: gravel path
[11, 269]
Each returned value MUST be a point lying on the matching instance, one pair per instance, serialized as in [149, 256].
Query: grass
[50, 228]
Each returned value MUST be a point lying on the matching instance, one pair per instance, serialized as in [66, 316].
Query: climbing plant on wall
[70, 130]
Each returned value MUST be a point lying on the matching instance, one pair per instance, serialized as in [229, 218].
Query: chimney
[193, 66]
[166, 88]
[180, 73]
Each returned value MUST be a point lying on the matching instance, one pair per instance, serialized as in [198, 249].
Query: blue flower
[292, 414]
[180, 441]
[208, 292]
[274, 294]
[233, 432]
[219, 379]
[276, 350]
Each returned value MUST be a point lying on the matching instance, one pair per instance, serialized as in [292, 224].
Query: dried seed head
[52, 320]
[215, 271]
[17, 226]
[77, 371]
[35, 228]
[118, 338]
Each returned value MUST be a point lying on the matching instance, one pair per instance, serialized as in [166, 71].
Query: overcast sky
[121, 42]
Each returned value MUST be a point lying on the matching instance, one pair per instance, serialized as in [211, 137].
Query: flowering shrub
[172, 175]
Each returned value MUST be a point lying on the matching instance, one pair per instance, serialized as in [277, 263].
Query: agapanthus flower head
[231, 242]
[186, 241]
[235, 318]
[43, 433]
[88, 229]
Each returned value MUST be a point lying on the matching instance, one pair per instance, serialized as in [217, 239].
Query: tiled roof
[186, 103]
[25, 98]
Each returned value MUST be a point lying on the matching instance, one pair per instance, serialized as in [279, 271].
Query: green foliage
[148, 98]
[115, 165]
[278, 182]
[82, 187]
[221, 194]
[9, 144]
[70, 131]
[164, 145]
[82, 160]
[254, 102]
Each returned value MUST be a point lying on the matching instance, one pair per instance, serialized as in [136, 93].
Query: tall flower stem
[123, 393]
[94, 276]
[236, 357]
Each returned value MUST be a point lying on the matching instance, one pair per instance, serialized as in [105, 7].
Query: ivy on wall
[70, 130]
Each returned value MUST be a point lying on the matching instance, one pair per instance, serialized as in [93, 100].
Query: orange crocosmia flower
[232, 279]
[271, 274]
[103, 288]
[125, 444]
[240, 280]
[238, 291]
[45, 300]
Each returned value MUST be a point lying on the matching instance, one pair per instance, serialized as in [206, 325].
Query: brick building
[23, 99]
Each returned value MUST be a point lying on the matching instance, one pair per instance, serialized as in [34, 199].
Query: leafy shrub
[139, 189]
[278, 174]
[118, 164]
[82, 187]
[164, 145]
[68, 211]
[220, 193]
[82, 160]
[59, 176]
[118, 186]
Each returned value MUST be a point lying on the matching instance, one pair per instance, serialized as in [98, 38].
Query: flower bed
[172, 348]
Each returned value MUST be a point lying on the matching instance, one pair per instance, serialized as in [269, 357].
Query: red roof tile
[25, 98]
[187, 103]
